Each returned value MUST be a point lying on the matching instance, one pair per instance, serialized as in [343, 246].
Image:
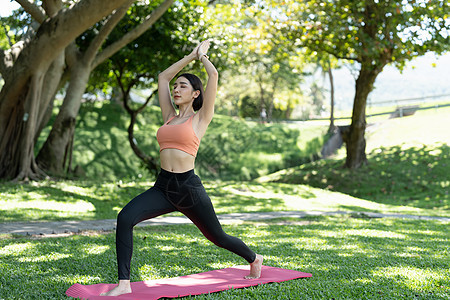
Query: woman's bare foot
[255, 268]
[124, 287]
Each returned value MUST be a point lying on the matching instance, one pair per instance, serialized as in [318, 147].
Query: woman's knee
[124, 218]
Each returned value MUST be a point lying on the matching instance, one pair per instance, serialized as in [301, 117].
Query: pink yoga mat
[195, 284]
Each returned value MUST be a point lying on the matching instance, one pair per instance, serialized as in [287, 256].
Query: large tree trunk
[22, 102]
[50, 87]
[16, 154]
[17, 145]
[354, 137]
[53, 153]
[57, 149]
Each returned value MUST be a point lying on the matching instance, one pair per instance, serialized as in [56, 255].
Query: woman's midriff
[176, 161]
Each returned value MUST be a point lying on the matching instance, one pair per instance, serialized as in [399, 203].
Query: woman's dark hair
[198, 86]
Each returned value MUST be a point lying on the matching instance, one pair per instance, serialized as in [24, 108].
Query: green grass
[425, 127]
[349, 258]
[388, 186]
[415, 177]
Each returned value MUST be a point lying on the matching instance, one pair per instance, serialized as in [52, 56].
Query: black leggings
[182, 192]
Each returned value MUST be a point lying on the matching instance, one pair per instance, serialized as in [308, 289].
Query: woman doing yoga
[177, 188]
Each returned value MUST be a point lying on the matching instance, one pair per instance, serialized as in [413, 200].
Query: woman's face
[183, 92]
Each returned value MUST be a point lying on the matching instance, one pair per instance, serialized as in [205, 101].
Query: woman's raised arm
[207, 110]
[164, 79]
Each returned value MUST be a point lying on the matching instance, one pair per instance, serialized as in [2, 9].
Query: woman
[177, 188]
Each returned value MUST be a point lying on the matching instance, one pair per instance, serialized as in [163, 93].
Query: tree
[372, 33]
[257, 54]
[38, 65]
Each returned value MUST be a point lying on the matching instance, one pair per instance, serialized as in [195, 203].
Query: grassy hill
[408, 161]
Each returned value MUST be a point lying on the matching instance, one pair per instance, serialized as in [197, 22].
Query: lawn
[351, 191]
[350, 258]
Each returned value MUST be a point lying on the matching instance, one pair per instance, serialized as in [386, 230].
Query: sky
[418, 79]
[6, 6]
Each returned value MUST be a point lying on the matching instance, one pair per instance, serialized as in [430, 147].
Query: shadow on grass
[349, 258]
[67, 200]
[416, 177]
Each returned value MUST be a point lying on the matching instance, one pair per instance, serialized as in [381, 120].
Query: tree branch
[52, 7]
[140, 109]
[53, 36]
[343, 57]
[133, 34]
[323, 49]
[106, 29]
[3, 67]
[35, 11]
[71, 54]
[118, 74]
[149, 161]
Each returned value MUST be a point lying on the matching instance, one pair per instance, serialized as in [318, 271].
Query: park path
[69, 227]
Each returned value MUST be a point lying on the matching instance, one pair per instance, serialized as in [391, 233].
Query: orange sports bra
[178, 136]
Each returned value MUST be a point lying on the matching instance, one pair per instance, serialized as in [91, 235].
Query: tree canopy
[261, 47]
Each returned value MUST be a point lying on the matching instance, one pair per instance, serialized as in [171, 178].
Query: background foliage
[231, 148]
